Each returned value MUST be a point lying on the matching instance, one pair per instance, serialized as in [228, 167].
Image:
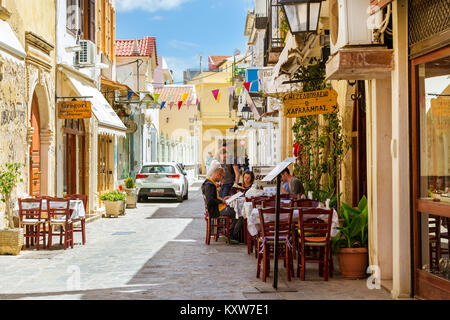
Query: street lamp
[246, 112]
[302, 15]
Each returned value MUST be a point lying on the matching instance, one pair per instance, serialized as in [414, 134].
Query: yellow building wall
[214, 117]
[177, 123]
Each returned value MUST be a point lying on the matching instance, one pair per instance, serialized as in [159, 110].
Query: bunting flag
[130, 93]
[218, 97]
[162, 105]
[188, 102]
[231, 90]
[253, 107]
[247, 86]
[180, 103]
[171, 105]
[239, 91]
[215, 93]
[196, 101]
[169, 97]
[156, 96]
[184, 96]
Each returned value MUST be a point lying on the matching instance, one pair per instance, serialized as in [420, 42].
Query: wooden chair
[434, 240]
[305, 203]
[30, 215]
[82, 220]
[315, 232]
[266, 243]
[445, 235]
[59, 215]
[252, 241]
[216, 227]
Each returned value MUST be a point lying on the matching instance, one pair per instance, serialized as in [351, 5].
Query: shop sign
[74, 109]
[300, 104]
[440, 107]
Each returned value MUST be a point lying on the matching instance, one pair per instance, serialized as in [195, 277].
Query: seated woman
[247, 181]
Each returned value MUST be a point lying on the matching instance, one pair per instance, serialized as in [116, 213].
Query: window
[158, 169]
[81, 18]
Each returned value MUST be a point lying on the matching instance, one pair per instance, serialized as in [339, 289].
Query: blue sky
[185, 28]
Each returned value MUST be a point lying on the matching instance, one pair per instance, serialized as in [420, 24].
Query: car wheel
[180, 199]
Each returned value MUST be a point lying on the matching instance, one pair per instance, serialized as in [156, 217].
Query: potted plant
[130, 189]
[114, 203]
[351, 242]
[11, 238]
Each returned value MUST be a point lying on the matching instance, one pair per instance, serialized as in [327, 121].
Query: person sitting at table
[218, 206]
[247, 181]
[295, 185]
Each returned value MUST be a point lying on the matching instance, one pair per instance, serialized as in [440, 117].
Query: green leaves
[354, 231]
[129, 183]
[113, 196]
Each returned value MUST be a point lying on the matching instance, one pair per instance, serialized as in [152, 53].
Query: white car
[162, 181]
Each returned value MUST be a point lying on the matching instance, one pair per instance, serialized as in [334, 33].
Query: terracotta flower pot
[353, 262]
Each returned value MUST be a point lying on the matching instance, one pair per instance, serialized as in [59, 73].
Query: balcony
[276, 32]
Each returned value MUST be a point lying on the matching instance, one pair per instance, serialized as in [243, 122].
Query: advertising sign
[74, 109]
[300, 104]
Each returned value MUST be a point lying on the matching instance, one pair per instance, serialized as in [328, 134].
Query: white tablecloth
[76, 206]
[246, 210]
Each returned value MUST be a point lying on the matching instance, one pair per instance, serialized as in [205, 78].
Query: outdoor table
[76, 206]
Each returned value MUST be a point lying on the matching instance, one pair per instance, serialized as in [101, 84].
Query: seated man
[216, 205]
[295, 186]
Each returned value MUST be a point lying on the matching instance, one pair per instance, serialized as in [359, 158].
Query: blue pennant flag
[163, 104]
[130, 93]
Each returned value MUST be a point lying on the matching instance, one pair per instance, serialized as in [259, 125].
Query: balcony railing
[275, 33]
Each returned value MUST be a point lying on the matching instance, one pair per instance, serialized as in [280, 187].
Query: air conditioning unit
[349, 23]
[88, 53]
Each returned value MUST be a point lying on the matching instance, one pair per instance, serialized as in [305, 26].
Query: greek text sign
[74, 109]
[300, 104]
[440, 107]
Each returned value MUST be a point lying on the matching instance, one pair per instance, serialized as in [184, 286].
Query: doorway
[35, 150]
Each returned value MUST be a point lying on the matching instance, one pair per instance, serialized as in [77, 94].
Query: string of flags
[233, 91]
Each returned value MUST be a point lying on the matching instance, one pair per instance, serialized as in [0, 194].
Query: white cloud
[177, 44]
[148, 5]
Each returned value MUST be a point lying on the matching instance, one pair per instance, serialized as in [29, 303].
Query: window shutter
[80, 22]
[71, 15]
[91, 20]
[113, 37]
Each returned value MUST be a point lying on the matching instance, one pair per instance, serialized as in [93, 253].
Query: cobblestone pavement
[157, 251]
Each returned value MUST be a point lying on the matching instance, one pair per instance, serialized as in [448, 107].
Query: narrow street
[157, 251]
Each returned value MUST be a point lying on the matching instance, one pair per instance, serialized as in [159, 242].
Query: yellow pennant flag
[218, 97]
[184, 96]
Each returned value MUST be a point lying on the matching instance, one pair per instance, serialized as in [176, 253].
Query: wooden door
[35, 150]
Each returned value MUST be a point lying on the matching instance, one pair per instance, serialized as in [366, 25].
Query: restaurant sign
[440, 107]
[260, 173]
[300, 104]
[74, 109]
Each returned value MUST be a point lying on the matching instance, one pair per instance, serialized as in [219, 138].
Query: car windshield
[158, 169]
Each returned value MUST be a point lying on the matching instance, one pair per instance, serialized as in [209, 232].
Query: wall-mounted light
[302, 15]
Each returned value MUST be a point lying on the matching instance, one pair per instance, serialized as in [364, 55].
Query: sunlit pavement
[157, 251]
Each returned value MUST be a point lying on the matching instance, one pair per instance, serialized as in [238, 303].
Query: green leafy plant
[9, 178]
[323, 143]
[354, 231]
[129, 183]
[113, 196]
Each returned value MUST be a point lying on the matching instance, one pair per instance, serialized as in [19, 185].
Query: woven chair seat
[58, 221]
[31, 222]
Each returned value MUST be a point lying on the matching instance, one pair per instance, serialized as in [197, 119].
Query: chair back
[81, 197]
[317, 222]
[305, 203]
[273, 203]
[30, 209]
[267, 218]
[58, 208]
[206, 207]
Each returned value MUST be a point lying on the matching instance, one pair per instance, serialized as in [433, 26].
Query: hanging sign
[300, 104]
[440, 107]
[74, 109]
